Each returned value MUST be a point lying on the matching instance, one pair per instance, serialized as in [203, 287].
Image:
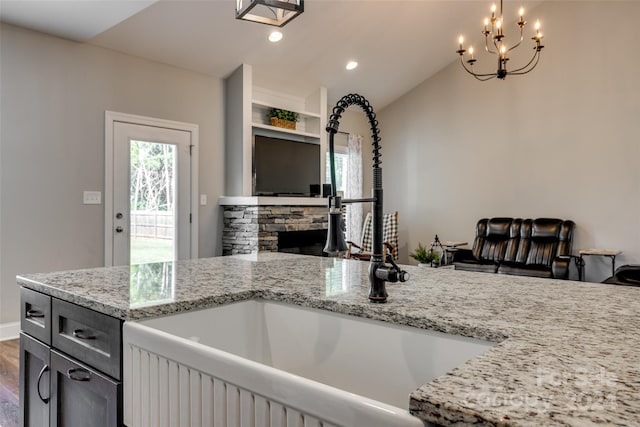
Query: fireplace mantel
[271, 201]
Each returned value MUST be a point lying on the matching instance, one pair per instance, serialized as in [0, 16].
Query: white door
[149, 210]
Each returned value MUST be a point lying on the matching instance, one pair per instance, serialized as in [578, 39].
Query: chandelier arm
[474, 74]
[497, 48]
[517, 44]
[519, 71]
[536, 57]
[486, 45]
[491, 76]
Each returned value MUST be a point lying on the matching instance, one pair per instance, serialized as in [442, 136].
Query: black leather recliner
[489, 246]
[625, 275]
[532, 247]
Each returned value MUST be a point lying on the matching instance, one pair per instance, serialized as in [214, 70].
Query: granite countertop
[567, 352]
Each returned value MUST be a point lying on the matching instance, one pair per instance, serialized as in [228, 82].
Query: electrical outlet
[92, 197]
[203, 200]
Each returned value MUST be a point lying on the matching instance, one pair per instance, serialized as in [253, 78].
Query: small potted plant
[283, 118]
[425, 256]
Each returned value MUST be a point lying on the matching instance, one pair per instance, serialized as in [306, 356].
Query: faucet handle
[401, 275]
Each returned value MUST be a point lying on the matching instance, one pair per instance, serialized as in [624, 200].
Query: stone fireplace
[262, 227]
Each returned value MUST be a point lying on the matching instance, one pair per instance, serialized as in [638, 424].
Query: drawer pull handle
[79, 374]
[34, 313]
[44, 369]
[83, 335]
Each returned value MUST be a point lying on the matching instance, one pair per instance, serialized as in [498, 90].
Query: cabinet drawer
[35, 314]
[81, 396]
[87, 335]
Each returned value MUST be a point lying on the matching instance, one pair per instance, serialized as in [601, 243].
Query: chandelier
[271, 12]
[495, 42]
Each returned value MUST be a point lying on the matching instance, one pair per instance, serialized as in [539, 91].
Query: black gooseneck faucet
[379, 271]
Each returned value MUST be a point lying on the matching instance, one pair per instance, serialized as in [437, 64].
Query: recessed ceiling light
[275, 36]
[351, 65]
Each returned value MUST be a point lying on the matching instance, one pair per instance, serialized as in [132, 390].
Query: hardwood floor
[9, 382]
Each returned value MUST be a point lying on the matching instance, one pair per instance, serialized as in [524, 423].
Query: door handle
[83, 335]
[79, 374]
[119, 215]
[119, 229]
[45, 368]
[34, 313]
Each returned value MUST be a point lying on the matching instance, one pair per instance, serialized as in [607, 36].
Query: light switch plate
[203, 200]
[92, 197]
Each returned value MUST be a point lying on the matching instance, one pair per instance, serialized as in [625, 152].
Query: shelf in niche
[266, 106]
[283, 130]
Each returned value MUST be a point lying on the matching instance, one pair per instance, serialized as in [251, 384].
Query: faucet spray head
[335, 232]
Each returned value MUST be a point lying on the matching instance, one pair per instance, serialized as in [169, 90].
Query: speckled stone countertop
[568, 353]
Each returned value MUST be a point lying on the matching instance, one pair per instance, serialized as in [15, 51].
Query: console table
[609, 253]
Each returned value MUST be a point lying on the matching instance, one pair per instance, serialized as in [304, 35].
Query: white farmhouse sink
[378, 360]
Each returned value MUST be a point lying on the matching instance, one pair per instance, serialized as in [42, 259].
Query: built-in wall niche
[246, 109]
[264, 100]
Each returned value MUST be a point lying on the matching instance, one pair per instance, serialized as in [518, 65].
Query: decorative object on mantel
[283, 118]
[270, 12]
[425, 257]
[494, 27]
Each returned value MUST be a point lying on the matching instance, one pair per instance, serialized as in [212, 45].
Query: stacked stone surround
[250, 229]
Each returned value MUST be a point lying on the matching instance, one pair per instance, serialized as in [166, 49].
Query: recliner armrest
[560, 267]
[462, 255]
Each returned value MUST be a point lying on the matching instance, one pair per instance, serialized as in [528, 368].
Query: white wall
[54, 94]
[562, 141]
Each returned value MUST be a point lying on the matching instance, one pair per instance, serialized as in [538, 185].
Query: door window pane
[152, 202]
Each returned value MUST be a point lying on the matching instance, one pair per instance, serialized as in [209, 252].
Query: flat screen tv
[285, 168]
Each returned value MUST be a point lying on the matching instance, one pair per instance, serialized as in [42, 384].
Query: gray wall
[562, 141]
[355, 121]
[54, 94]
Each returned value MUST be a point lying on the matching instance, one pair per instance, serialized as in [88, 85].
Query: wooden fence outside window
[152, 224]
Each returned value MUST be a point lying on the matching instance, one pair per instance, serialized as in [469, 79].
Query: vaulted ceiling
[397, 43]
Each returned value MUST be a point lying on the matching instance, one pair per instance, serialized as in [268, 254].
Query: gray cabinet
[70, 364]
[34, 382]
[81, 396]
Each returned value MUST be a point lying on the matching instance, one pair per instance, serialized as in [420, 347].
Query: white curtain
[354, 188]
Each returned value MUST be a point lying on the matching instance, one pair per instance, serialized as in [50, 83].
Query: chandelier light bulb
[493, 9]
[521, 12]
[461, 40]
[537, 25]
[498, 24]
[351, 65]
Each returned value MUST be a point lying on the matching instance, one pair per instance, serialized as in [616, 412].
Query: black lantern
[270, 12]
